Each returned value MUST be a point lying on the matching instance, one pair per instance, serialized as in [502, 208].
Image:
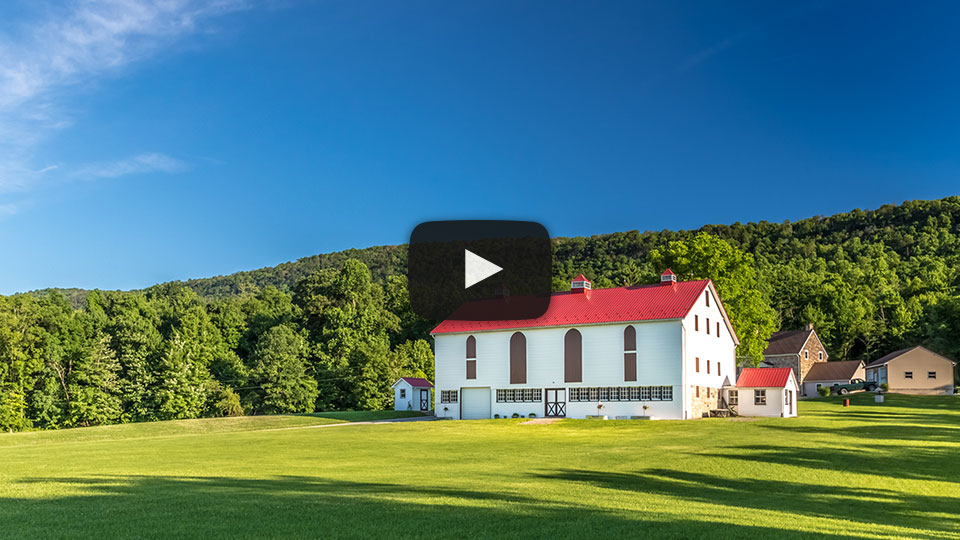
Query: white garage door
[474, 403]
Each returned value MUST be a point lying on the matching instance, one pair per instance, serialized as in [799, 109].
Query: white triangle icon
[476, 269]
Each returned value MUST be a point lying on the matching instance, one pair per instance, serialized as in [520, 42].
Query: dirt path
[536, 421]
[367, 422]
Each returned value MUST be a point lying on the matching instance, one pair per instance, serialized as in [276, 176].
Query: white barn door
[474, 403]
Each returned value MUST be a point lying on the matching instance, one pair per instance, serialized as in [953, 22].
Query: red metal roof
[622, 304]
[581, 277]
[416, 382]
[764, 377]
[668, 272]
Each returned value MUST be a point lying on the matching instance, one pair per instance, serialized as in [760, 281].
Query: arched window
[471, 357]
[518, 359]
[629, 354]
[573, 356]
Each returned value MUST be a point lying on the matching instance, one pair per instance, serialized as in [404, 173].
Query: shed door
[474, 403]
[424, 399]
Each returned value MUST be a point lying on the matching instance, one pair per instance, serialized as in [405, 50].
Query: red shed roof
[621, 304]
[415, 382]
[764, 377]
[581, 277]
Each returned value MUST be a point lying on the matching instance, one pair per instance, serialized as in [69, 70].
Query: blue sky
[141, 144]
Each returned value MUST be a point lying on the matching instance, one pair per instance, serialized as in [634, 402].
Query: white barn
[661, 351]
[765, 392]
[412, 394]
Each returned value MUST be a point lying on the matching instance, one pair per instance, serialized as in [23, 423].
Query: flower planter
[596, 417]
[641, 418]
[878, 398]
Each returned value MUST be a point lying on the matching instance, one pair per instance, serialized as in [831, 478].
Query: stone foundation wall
[709, 399]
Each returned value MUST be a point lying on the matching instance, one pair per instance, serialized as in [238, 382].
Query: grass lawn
[876, 471]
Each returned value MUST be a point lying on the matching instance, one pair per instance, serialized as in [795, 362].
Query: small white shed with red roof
[765, 392]
[412, 394]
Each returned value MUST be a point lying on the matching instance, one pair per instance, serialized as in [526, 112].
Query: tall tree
[735, 277]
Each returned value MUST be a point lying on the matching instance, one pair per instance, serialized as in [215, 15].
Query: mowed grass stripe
[874, 471]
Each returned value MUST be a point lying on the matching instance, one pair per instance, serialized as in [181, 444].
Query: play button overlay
[476, 269]
[479, 270]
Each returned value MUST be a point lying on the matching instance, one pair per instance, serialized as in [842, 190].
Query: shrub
[496, 416]
[516, 415]
[531, 415]
[885, 387]
[824, 391]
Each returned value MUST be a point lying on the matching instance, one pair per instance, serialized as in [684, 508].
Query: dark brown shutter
[707, 294]
[630, 366]
[696, 323]
[518, 359]
[471, 347]
[471, 369]
[630, 339]
[708, 367]
[572, 356]
[698, 364]
[708, 326]
[718, 329]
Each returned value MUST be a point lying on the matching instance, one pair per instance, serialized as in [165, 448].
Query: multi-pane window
[448, 396]
[907, 374]
[759, 397]
[621, 393]
[519, 395]
[931, 374]
[403, 392]
[733, 397]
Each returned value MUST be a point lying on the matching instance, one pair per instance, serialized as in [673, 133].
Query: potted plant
[532, 415]
[445, 410]
[516, 415]
[496, 416]
[598, 416]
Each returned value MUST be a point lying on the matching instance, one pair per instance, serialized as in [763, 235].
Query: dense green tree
[280, 370]
[735, 277]
[94, 388]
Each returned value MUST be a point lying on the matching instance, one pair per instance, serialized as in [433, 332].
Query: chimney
[668, 277]
[580, 285]
[809, 326]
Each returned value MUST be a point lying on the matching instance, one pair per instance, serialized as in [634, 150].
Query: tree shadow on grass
[296, 506]
[884, 462]
[858, 505]
[890, 431]
[881, 415]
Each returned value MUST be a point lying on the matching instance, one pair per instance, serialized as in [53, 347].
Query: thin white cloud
[143, 163]
[8, 209]
[59, 49]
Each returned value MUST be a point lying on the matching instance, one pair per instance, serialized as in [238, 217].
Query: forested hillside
[333, 331]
